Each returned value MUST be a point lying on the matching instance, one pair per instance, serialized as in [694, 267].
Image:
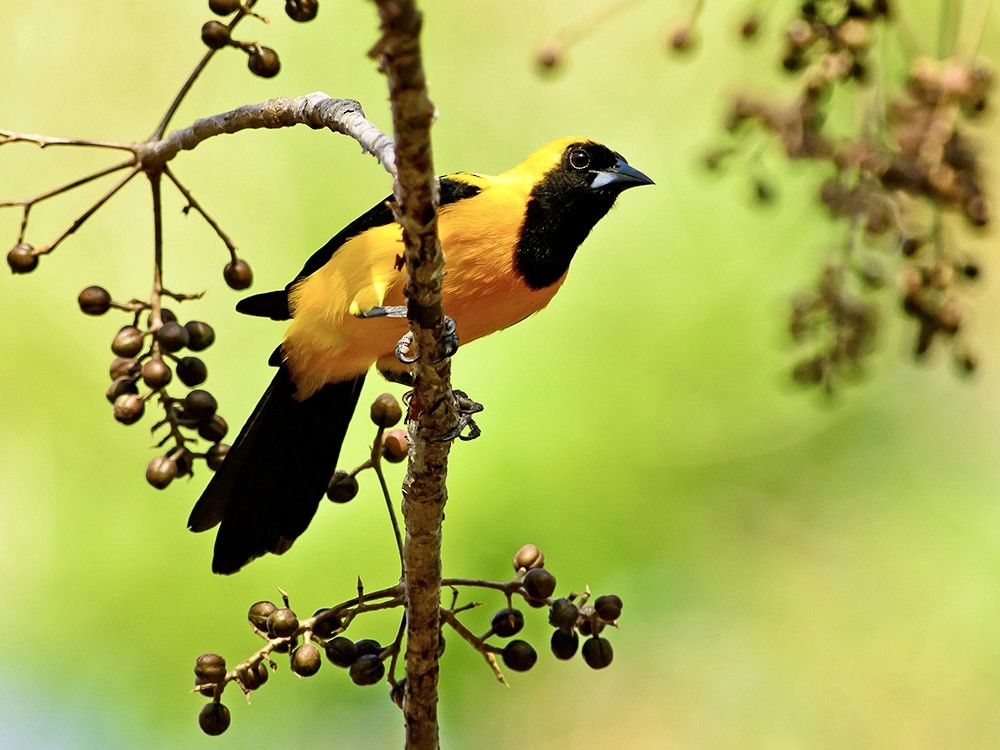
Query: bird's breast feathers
[327, 342]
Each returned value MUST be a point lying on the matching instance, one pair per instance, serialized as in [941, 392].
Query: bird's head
[579, 165]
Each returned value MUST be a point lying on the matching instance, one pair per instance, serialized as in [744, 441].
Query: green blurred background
[795, 574]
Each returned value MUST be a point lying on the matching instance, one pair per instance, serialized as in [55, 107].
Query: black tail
[274, 476]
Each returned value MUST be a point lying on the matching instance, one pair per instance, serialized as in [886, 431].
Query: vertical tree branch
[432, 406]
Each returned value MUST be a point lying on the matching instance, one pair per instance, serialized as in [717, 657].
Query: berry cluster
[149, 356]
[903, 182]
[571, 616]
[367, 661]
[262, 61]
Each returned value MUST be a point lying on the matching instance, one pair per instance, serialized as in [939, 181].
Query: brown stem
[432, 407]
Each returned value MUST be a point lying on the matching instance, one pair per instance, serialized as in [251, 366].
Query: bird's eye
[579, 159]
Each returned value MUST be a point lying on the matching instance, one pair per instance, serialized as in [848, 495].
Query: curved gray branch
[317, 110]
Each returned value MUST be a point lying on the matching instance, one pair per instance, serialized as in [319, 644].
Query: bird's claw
[405, 344]
[449, 343]
[466, 408]
[449, 339]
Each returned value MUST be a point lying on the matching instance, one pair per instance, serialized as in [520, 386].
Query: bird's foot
[448, 341]
[466, 408]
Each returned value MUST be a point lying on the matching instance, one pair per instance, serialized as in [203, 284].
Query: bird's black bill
[619, 177]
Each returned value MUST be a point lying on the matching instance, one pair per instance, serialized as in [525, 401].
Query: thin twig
[88, 213]
[192, 203]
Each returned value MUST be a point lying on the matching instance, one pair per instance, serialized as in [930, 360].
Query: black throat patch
[561, 211]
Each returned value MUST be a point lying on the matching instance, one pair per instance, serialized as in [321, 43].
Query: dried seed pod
[120, 387]
[22, 258]
[306, 660]
[238, 274]
[282, 623]
[127, 342]
[94, 300]
[327, 625]
[156, 373]
[161, 471]
[264, 62]
[386, 411]
[129, 408]
[529, 556]
[259, 612]
[209, 668]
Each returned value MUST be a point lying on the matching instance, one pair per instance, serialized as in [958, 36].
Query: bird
[508, 241]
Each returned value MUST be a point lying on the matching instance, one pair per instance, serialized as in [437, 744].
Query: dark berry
[253, 677]
[519, 655]
[327, 625]
[563, 614]
[341, 651]
[156, 373]
[282, 623]
[214, 719]
[224, 7]
[22, 259]
[215, 455]
[301, 10]
[94, 300]
[191, 371]
[507, 622]
[120, 387]
[368, 646]
[215, 35]
[395, 446]
[129, 408]
[264, 62]
[539, 583]
[161, 471]
[172, 336]
[608, 607]
[306, 660]
[564, 643]
[200, 335]
[342, 487]
[386, 411]
[259, 612]
[597, 652]
[367, 670]
[127, 342]
[213, 429]
[200, 405]
[238, 274]
[209, 668]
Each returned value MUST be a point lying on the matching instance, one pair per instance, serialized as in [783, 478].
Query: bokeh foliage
[794, 573]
